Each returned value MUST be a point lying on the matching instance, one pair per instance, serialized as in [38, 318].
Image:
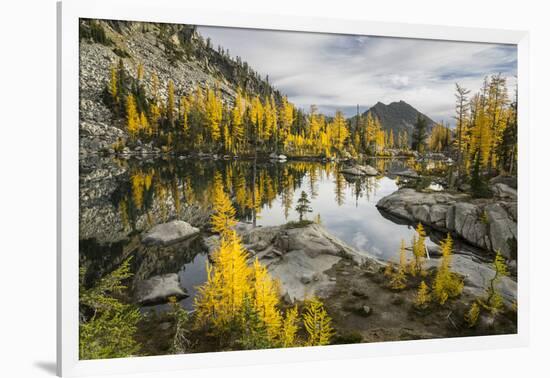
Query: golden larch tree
[423, 296]
[113, 85]
[317, 323]
[266, 299]
[171, 103]
[446, 283]
[132, 117]
[289, 328]
[214, 109]
[223, 217]
[419, 250]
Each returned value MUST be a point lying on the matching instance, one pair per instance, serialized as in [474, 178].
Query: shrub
[110, 329]
[471, 316]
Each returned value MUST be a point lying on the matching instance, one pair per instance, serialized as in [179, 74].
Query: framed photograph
[239, 188]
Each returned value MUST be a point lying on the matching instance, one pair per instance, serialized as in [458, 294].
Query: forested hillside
[144, 58]
[166, 89]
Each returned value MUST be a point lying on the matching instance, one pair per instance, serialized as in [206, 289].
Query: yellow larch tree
[155, 85]
[289, 328]
[220, 299]
[317, 323]
[113, 85]
[266, 299]
[419, 250]
[380, 140]
[446, 283]
[144, 125]
[340, 130]
[132, 117]
[140, 70]
[184, 115]
[257, 116]
[494, 301]
[471, 316]
[398, 279]
[223, 217]
[286, 115]
[391, 139]
[171, 102]
[237, 126]
[214, 109]
[270, 120]
[423, 296]
[371, 129]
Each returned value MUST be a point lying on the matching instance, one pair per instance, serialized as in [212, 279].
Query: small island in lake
[220, 209]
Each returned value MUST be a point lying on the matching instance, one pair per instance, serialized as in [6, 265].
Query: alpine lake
[120, 199]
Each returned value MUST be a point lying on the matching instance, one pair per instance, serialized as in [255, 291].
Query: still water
[121, 199]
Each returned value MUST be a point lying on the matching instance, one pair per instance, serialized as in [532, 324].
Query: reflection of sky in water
[357, 221]
[191, 276]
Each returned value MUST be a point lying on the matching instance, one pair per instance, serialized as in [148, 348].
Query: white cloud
[339, 71]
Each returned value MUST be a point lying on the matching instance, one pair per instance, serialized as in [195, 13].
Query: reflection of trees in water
[176, 184]
[158, 260]
[339, 188]
[100, 259]
[154, 192]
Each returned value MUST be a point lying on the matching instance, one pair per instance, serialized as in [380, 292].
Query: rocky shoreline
[490, 224]
[307, 260]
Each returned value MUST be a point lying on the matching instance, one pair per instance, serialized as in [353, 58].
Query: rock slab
[298, 257]
[488, 224]
[359, 170]
[158, 289]
[169, 233]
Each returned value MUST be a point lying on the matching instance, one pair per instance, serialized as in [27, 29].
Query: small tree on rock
[446, 284]
[494, 301]
[419, 250]
[398, 280]
[303, 205]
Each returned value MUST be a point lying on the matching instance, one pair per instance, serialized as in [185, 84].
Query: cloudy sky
[341, 71]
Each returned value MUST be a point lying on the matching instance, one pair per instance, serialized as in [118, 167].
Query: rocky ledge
[297, 254]
[490, 224]
[302, 256]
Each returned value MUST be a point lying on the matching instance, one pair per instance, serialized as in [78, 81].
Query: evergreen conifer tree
[303, 206]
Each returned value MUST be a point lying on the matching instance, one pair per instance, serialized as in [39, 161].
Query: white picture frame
[173, 11]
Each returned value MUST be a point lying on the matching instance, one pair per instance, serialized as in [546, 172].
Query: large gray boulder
[502, 230]
[158, 289]
[490, 224]
[510, 181]
[468, 223]
[504, 191]
[169, 233]
[359, 170]
[298, 257]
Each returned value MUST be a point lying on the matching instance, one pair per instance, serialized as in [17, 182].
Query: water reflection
[119, 199]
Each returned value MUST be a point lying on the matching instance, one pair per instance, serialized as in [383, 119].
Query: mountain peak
[397, 116]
